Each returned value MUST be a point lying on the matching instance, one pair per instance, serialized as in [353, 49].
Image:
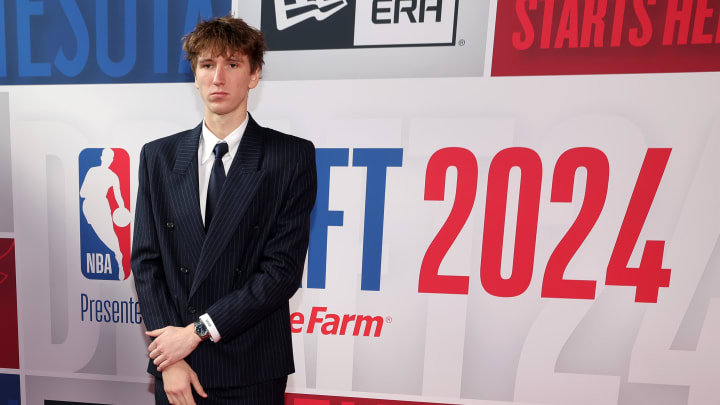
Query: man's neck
[222, 125]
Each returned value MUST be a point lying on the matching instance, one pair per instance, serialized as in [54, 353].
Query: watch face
[200, 329]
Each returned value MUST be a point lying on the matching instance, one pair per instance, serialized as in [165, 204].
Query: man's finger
[179, 399]
[187, 397]
[171, 398]
[153, 354]
[158, 360]
[156, 332]
[166, 363]
[196, 384]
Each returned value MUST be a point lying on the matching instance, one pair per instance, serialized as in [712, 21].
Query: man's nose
[219, 76]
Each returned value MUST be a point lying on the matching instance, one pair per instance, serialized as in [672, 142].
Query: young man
[221, 232]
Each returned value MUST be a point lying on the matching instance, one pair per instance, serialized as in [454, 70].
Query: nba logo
[104, 213]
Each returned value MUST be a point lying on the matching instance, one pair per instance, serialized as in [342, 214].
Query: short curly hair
[225, 36]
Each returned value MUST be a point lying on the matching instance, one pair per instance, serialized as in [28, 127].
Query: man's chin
[221, 111]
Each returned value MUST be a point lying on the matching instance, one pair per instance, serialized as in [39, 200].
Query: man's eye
[234, 65]
[206, 66]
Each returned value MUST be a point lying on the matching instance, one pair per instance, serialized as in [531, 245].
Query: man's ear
[255, 78]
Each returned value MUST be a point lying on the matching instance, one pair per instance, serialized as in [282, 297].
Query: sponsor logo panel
[51, 402]
[606, 37]
[339, 24]
[104, 201]
[349, 39]
[8, 306]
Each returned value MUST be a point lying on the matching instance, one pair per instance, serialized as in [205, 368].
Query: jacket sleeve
[156, 306]
[283, 256]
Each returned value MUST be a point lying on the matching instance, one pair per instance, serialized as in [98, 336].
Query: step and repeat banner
[517, 199]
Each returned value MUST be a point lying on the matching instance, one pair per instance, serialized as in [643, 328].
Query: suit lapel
[238, 191]
[185, 197]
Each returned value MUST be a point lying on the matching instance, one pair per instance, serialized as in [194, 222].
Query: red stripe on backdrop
[567, 37]
[8, 307]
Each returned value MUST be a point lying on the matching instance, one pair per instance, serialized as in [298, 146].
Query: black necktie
[217, 179]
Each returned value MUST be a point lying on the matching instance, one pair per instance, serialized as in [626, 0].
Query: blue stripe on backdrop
[101, 41]
[10, 389]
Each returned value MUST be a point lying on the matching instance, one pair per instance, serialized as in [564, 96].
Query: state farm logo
[104, 201]
[306, 24]
[337, 324]
[289, 13]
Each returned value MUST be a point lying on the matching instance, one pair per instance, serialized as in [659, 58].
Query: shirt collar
[208, 140]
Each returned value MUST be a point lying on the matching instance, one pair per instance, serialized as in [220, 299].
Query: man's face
[224, 82]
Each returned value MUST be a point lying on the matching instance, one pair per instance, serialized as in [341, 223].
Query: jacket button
[238, 270]
[191, 309]
[170, 225]
[256, 227]
[183, 270]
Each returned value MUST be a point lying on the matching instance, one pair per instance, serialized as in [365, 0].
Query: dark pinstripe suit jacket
[247, 266]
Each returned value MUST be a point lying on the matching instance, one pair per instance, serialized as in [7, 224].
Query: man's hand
[172, 344]
[178, 379]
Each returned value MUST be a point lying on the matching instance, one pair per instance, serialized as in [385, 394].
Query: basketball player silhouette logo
[104, 213]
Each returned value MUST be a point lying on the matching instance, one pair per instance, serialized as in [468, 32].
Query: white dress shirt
[206, 157]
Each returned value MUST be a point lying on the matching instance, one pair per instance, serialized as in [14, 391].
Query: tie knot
[220, 150]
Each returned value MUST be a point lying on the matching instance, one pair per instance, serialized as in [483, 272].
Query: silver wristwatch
[201, 330]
